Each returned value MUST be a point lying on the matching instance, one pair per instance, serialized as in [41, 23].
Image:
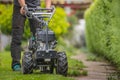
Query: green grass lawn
[7, 74]
[75, 67]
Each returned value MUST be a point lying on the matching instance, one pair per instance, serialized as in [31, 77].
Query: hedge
[103, 29]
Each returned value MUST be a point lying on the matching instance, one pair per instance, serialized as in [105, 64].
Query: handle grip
[37, 13]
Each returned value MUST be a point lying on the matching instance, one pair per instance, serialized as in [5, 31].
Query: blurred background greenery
[68, 25]
[103, 29]
[99, 32]
[66, 17]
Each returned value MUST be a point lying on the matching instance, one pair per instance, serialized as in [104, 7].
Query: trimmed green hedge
[103, 29]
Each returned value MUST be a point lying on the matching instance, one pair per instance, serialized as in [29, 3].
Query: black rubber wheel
[62, 64]
[27, 63]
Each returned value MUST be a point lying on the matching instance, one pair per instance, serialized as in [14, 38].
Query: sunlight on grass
[7, 74]
[75, 67]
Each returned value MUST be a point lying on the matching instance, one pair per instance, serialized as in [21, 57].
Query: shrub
[58, 24]
[103, 29]
[5, 18]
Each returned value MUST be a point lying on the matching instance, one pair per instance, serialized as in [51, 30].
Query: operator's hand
[22, 10]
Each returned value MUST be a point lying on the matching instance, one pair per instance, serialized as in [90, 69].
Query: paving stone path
[96, 70]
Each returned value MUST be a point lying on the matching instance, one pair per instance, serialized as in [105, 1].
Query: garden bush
[103, 29]
[58, 24]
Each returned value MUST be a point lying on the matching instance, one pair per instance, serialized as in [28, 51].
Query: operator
[18, 22]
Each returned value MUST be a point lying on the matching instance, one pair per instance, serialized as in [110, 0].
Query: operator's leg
[33, 25]
[18, 22]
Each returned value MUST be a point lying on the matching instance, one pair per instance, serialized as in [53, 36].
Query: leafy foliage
[5, 18]
[58, 24]
[103, 29]
[73, 20]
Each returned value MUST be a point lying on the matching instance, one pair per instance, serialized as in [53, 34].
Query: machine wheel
[27, 63]
[62, 64]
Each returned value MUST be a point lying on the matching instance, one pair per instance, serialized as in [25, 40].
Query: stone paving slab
[96, 70]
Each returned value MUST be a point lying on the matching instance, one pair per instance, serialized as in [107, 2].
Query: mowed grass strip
[75, 67]
[7, 74]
